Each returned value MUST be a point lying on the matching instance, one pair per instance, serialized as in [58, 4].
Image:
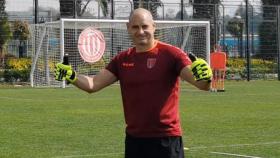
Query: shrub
[237, 66]
[17, 70]
[19, 63]
[1, 75]
[262, 66]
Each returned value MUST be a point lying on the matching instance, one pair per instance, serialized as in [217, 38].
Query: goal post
[51, 40]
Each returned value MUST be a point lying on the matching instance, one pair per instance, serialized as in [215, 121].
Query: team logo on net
[91, 45]
[151, 62]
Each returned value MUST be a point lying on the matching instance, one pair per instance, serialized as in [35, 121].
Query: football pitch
[244, 121]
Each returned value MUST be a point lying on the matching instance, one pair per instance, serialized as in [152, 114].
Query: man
[149, 79]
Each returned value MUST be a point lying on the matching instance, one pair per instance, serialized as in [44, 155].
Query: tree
[150, 5]
[76, 8]
[21, 33]
[208, 10]
[5, 31]
[82, 5]
[67, 8]
[268, 29]
[235, 28]
[179, 14]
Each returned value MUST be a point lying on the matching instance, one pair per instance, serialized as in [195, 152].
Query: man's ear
[127, 25]
[154, 24]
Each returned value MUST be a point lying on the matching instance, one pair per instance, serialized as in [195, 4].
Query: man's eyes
[143, 27]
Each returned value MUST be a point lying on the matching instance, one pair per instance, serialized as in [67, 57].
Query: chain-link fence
[249, 36]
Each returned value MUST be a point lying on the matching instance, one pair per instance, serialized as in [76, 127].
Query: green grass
[52, 123]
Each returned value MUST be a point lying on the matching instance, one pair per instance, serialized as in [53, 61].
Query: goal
[51, 40]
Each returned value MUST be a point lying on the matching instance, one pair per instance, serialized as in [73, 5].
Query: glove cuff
[73, 78]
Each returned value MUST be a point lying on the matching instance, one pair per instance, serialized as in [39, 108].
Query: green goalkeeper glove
[201, 70]
[65, 72]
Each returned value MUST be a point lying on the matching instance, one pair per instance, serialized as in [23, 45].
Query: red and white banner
[91, 45]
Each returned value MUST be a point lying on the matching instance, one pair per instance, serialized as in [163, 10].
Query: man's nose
[140, 30]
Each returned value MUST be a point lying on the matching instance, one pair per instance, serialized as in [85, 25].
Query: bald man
[149, 76]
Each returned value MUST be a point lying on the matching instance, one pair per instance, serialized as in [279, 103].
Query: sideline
[236, 155]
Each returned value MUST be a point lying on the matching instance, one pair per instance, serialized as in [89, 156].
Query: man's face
[141, 29]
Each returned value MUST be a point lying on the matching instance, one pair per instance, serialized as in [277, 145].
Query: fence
[20, 48]
[257, 43]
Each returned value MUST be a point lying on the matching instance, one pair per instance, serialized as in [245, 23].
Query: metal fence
[251, 33]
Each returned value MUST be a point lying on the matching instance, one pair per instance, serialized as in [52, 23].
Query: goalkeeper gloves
[65, 72]
[201, 70]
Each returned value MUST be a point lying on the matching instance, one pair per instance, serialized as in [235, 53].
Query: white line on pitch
[236, 155]
[185, 148]
[74, 156]
[234, 145]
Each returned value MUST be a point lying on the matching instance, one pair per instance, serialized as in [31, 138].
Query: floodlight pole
[112, 32]
[112, 10]
[36, 11]
[278, 39]
[182, 9]
[247, 43]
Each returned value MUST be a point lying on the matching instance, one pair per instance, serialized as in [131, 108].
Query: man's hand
[201, 70]
[65, 72]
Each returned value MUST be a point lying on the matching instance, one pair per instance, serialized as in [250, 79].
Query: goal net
[51, 40]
